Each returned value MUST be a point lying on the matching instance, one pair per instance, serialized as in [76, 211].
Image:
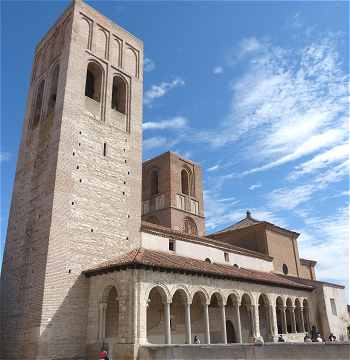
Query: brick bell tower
[77, 193]
[172, 193]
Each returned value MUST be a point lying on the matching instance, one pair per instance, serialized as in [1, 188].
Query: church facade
[104, 251]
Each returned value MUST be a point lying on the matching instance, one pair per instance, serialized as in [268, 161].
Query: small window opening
[104, 149]
[171, 245]
[236, 265]
[53, 93]
[226, 256]
[154, 182]
[333, 306]
[38, 104]
[93, 82]
[285, 269]
[208, 260]
[119, 95]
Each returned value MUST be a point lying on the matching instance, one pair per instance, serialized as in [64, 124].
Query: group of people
[315, 337]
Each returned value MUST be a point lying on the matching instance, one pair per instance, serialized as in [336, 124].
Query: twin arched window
[93, 86]
[93, 82]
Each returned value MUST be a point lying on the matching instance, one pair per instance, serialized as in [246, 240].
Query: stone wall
[286, 351]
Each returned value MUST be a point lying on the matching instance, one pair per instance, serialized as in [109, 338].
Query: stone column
[294, 329]
[223, 318]
[188, 323]
[103, 308]
[100, 321]
[302, 319]
[167, 323]
[207, 328]
[284, 320]
[273, 323]
[254, 311]
[239, 328]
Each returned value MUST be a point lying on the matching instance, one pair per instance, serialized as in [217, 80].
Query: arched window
[112, 314]
[38, 103]
[154, 182]
[53, 92]
[119, 94]
[190, 226]
[285, 269]
[184, 182]
[93, 82]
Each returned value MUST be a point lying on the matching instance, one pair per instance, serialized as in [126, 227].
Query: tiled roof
[165, 231]
[158, 260]
[249, 221]
[314, 283]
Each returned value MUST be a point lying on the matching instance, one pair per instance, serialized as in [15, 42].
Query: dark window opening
[154, 183]
[53, 93]
[171, 245]
[104, 149]
[119, 95]
[285, 269]
[227, 257]
[208, 260]
[184, 182]
[93, 82]
[38, 103]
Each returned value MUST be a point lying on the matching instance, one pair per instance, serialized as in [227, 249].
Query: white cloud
[288, 104]
[213, 168]
[177, 122]
[148, 65]
[158, 91]
[290, 198]
[254, 186]
[158, 142]
[326, 240]
[334, 155]
[249, 45]
[218, 70]
[4, 156]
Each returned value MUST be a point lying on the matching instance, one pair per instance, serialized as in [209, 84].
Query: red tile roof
[159, 260]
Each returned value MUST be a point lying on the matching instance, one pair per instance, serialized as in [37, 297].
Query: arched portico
[158, 316]
[200, 316]
[217, 319]
[264, 317]
[247, 320]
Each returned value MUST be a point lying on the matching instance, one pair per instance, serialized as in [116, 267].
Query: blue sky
[256, 92]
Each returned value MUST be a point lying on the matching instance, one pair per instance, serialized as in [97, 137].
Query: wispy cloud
[177, 122]
[289, 103]
[218, 70]
[326, 240]
[322, 160]
[254, 186]
[213, 168]
[291, 197]
[148, 65]
[158, 91]
[158, 142]
[4, 156]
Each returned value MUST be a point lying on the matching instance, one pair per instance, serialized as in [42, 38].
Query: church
[105, 251]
